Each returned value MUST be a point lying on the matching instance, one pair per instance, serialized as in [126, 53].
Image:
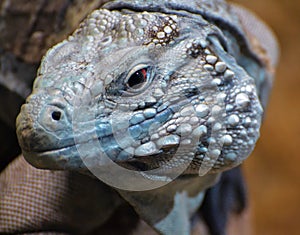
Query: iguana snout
[43, 125]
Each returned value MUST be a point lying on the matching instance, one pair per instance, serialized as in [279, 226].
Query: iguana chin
[155, 98]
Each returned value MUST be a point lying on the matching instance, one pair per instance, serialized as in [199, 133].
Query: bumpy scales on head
[150, 89]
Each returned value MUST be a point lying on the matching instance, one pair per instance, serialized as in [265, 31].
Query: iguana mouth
[49, 159]
[74, 156]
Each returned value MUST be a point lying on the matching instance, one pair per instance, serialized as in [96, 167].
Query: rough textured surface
[52, 201]
[44, 23]
[241, 100]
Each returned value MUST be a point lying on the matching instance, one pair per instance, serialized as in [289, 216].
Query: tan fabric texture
[33, 200]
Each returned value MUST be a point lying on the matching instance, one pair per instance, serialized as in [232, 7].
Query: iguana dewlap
[155, 98]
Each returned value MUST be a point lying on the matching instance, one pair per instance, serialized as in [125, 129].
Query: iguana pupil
[137, 79]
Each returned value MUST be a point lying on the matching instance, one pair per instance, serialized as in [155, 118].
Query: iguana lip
[66, 156]
[47, 160]
[69, 158]
[75, 156]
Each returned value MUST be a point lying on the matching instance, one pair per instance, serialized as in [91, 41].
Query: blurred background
[273, 170]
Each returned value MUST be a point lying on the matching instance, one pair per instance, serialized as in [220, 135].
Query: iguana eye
[132, 83]
[138, 78]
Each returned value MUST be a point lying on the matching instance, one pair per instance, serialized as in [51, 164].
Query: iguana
[156, 99]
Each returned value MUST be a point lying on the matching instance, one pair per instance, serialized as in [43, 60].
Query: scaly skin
[165, 88]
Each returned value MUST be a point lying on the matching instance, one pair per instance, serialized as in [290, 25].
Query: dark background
[273, 170]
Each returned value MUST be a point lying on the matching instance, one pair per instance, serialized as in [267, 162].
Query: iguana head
[146, 90]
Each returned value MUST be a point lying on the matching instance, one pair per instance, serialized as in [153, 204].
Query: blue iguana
[155, 99]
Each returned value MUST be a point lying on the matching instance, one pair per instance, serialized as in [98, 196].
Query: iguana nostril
[56, 115]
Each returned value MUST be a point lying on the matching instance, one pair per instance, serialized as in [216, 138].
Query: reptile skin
[171, 91]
